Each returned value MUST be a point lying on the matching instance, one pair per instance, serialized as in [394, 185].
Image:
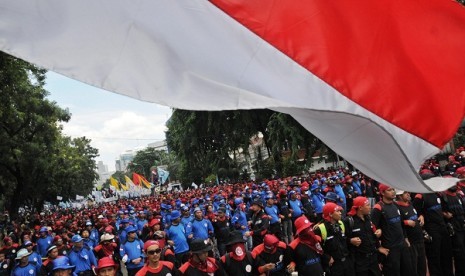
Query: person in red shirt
[272, 256]
[199, 263]
[154, 265]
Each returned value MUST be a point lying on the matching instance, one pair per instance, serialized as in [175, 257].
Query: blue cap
[314, 187]
[130, 229]
[238, 201]
[43, 229]
[197, 209]
[62, 263]
[175, 215]
[331, 196]
[125, 220]
[76, 238]
[185, 208]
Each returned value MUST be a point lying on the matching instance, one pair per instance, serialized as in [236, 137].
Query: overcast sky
[113, 122]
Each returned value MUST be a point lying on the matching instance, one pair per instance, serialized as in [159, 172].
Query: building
[124, 159]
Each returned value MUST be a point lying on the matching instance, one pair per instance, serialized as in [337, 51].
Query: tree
[36, 161]
[205, 142]
[146, 160]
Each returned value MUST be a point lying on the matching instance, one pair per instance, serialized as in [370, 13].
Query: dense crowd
[337, 222]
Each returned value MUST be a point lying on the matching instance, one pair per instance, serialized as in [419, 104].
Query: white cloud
[113, 122]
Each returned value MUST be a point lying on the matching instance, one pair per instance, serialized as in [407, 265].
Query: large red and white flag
[380, 82]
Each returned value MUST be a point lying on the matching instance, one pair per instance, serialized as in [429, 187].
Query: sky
[113, 122]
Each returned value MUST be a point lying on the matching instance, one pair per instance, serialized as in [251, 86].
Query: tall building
[160, 145]
[124, 159]
[101, 168]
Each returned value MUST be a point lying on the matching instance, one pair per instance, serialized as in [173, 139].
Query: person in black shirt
[285, 215]
[363, 238]
[332, 232]
[453, 210]
[222, 228]
[199, 264]
[386, 216]
[412, 225]
[5, 267]
[439, 250]
[305, 251]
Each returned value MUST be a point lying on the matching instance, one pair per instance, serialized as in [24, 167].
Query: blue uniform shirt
[134, 251]
[272, 211]
[296, 206]
[177, 234]
[30, 269]
[83, 259]
[43, 244]
[239, 219]
[318, 201]
[201, 229]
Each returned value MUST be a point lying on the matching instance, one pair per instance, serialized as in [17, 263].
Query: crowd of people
[334, 222]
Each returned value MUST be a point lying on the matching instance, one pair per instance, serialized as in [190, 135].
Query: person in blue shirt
[24, 267]
[177, 238]
[186, 215]
[62, 267]
[131, 251]
[34, 256]
[141, 222]
[358, 190]
[93, 233]
[124, 223]
[87, 241]
[82, 257]
[318, 201]
[43, 242]
[199, 228]
[272, 211]
[295, 205]
[239, 220]
[340, 193]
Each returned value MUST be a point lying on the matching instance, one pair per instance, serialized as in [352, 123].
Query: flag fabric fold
[140, 181]
[380, 82]
[128, 184]
[136, 179]
[115, 183]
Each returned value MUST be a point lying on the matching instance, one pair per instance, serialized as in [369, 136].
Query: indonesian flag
[382, 82]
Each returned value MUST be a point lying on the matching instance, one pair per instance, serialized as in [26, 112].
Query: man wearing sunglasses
[154, 266]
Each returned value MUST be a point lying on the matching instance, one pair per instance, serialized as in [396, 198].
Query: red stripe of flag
[398, 67]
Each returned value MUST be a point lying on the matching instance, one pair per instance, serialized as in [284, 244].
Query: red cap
[330, 208]
[106, 262]
[382, 187]
[460, 171]
[149, 243]
[358, 202]
[301, 223]
[154, 222]
[270, 241]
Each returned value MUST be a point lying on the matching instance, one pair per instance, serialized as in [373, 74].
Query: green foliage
[37, 162]
[206, 143]
[146, 160]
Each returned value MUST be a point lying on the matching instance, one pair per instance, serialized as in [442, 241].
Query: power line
[126, 138]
